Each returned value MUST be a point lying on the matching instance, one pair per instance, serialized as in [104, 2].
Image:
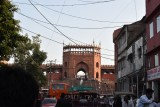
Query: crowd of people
[145, 100]
[18, 88]
[118, 101]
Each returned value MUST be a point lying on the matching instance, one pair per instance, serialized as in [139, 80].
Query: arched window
[97, 64]
[97, 75]
[65, 64]
[65, 74]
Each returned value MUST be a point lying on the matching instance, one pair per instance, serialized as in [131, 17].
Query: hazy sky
[77, 21]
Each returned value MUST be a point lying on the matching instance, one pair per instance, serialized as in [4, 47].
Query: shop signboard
[153, 73]
[81, 88]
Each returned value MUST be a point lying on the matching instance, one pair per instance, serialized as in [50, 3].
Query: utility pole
[144, 65]
[50, 71]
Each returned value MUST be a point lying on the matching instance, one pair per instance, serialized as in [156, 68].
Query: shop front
[153, 81]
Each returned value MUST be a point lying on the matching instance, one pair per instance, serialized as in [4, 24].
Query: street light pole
[49, 72]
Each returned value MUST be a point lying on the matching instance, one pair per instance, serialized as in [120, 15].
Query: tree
[25, 52]
[9, 30]
[29, 55]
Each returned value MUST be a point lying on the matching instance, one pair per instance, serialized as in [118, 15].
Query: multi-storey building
[153, 45]
[129, 60]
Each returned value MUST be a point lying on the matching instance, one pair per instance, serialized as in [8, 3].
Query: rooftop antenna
[99, 43]
[93, 42]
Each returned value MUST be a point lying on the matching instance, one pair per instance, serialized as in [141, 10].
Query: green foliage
[29, 55]
[9, 30]
[25, 52]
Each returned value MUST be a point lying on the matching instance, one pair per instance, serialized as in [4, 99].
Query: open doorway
[81, 74]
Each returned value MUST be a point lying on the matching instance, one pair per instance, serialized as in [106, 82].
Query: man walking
[146, 100]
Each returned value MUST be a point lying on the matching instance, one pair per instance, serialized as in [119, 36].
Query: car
[49, 102]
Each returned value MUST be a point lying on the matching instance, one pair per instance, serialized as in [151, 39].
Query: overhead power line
[58, 33]
[55, 32]
[55, 40]
[51, 23]
[107, 49]
[107, 58]
[42, 36]
[88, 19]
[135, 9]
[56, 23]
[52, 31]
[107, 54]
[46, 27]
[60, 42]
[68, 26]
[90, 3]
[49, 38]
[84, 1]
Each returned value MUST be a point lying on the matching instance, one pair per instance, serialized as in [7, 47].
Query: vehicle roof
[44, 89]
[49, 100]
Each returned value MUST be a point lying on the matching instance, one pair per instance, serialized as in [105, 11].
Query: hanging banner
[153, 73]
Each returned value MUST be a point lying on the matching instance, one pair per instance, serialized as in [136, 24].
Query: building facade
[129, 57]
[84, 58]
[153, 45]
[82, 62]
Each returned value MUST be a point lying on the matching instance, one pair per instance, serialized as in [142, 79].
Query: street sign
[81, 88]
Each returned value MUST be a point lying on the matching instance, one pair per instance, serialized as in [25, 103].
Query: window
[158, 24]
[58, 86]
[97, 64]
[130, 57]
[151, 29]
[97, 75]
[149, 62]
[65, 74]
[156, 59]
[65, 64]
[139, 52]
[121, 65]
